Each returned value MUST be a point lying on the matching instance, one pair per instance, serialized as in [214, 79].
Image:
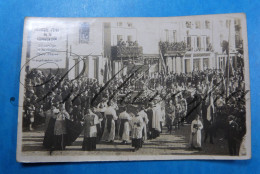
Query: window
[198, 42]
[237, 40]
[207, 24]
[188, 24]
[221, 39]
[189, 42]
[227, 23]
[205, 63]
[170, 35]
[84, 33]
[207, 40]
[119, 24]
[167, 35]
[119, 38]
[129, 38]
[130, 25]
[174, 36]
[197, 24]
[208, 44]
[196, 65]
[221, 23]
[95, 68]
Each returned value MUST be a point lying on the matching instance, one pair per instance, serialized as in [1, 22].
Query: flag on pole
[105, 73]
[163, 63]
[228, 71]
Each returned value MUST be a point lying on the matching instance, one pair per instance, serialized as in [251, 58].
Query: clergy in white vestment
[137, 127]
[195, 137]
[109, 130]
[156, 120]
[145, 122]
[124, 126]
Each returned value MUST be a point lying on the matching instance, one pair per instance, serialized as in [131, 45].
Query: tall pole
[67, 57]
[122, 72]
[228, 60]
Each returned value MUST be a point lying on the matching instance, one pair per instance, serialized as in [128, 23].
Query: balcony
[124, 52]
[173, 49]
[180, 48]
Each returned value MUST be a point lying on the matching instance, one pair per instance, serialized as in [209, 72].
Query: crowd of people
[206, 100]
[182, 46]
[217, 100]
[130, 43]
[172, 46]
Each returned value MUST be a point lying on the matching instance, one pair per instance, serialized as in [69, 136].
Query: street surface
[176, 143]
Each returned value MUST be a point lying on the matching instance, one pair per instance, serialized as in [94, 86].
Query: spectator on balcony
[130, 43]
[123, 43]
[209, 47]
[135, 44]
[120, 42]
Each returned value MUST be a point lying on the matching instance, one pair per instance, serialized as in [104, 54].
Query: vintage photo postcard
[120, 89]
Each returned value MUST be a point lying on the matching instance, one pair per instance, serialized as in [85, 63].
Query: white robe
[195, 139]
[145, 122]
[90, 128]
[110, 136]
[137, 127]
[157, 118]
[125, 115]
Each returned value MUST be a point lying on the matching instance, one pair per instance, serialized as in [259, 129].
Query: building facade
[100, 48]
[204, 39]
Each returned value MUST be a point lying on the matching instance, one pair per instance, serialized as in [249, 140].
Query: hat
[56, 111]
[157, 98]
[231, 117]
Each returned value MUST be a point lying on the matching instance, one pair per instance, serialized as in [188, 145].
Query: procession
[173, 100]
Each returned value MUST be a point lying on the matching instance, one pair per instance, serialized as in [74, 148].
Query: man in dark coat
[208, 124]
[232, 135]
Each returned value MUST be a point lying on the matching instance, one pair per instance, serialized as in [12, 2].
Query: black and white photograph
[136, 88]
